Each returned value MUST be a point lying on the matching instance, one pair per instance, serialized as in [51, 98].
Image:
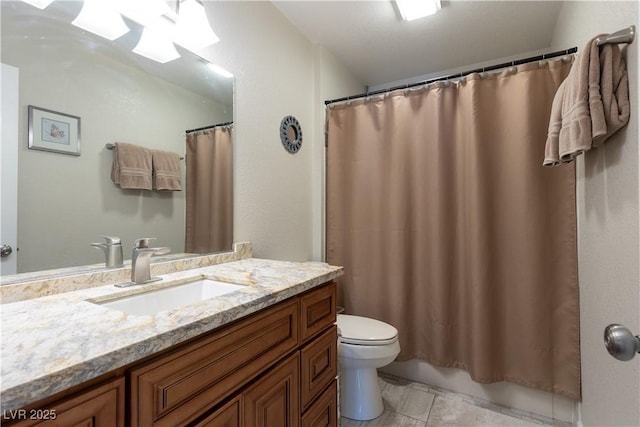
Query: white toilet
[363, 346]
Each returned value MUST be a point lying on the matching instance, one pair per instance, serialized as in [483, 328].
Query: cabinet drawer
[324, 411]
[102, 406]
[181, 386]
[317, 310]
[230, 415]
[319, 365]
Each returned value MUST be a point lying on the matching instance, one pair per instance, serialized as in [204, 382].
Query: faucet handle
[143, 242]
[112, 240]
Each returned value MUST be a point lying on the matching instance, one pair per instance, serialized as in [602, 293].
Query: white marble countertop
[54, 342]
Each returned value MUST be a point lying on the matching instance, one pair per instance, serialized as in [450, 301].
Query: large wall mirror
[67, 202]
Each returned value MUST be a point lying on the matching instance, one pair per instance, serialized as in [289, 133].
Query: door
[609, 262]
[9, 170]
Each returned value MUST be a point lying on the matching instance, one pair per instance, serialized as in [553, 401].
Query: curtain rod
[626, 35]
[208, 127]
[459, 75]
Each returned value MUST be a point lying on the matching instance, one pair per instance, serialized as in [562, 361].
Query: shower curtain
[209, 190]
[450, 229]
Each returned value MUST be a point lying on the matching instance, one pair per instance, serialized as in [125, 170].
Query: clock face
[291, 134]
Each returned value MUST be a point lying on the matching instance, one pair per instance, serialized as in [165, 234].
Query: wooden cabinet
[319, 365]
[273, 401]
[324, 411]
[229, 415]
[102, 406]
[317, 310]
[274, 368]
[318, 357]
[178, 388]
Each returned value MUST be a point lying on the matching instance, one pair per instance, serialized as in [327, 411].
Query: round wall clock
[291, 134]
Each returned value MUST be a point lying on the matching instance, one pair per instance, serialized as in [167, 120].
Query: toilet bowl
[363, 346]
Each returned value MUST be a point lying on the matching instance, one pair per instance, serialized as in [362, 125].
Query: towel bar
[110, 146]
[623, 36]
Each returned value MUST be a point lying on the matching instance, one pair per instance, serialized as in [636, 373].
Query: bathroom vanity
[262, 355]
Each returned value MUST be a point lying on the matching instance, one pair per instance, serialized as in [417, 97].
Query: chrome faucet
[112, 251]
[141, 260]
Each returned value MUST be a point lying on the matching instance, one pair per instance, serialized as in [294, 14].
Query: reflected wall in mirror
[65, 203]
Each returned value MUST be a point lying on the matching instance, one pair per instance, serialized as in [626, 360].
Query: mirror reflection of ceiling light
[193, 30]
[219, 70]
[155, 45]
[144, 12]
[190, 27]
[99, 17]
[40, 4]
[414, 9]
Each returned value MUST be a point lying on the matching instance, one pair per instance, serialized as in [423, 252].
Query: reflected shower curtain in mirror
[209, 190]
[451, 230]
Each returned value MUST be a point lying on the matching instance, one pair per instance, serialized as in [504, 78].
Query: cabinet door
[317, 310]
[230, 415]
[273, 401]
[324, 411]
[102, 406]
[319, 361]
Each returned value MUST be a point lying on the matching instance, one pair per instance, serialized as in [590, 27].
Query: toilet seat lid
[365, 331]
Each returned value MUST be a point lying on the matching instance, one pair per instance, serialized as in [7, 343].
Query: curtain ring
[542, 63]
[513, 69]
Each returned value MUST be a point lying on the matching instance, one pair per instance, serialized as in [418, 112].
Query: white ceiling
[370, 39]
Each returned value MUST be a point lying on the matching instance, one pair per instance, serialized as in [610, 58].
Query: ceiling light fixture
[414, 9]
[40, 4]
[193, 30]
[99, 17]
[156, 46]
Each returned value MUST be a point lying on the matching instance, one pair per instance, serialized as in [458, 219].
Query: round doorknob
[620, 342]
[5, 250]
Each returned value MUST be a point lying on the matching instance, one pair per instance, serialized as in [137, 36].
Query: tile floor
[410, 404]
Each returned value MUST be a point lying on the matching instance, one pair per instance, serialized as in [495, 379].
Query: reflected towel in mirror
[167, 175]
[131, 167]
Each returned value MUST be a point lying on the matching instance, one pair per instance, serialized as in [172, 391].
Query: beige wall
[67, 202]
[277, 196]
[609, 233]
[273, 65]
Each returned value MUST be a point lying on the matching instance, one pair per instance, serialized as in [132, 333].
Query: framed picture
[53, 131]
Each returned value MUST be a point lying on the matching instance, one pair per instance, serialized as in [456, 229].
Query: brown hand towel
[590, 105]
[167, 175]
[131, 167]
[614, 87]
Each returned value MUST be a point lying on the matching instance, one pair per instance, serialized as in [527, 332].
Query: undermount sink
[157, 300]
